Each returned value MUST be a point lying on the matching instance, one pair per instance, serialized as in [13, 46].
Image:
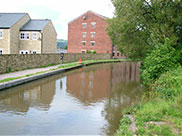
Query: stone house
[87, 33]
[19, 34]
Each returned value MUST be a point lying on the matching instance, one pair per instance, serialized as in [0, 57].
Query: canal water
[85, 101]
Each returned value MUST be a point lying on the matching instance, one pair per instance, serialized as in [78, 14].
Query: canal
[85, 101]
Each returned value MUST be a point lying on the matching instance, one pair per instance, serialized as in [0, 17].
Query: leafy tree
[138, 25]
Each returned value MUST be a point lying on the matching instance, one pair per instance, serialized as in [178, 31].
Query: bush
[94, 52]
[169, 83]
[160, 60]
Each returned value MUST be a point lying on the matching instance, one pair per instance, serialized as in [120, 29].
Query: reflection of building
[94, 85]
[125, 71]
[90, 86]
[21, 99]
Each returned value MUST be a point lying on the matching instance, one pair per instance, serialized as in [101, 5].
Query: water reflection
[87, 101]
[39, 94]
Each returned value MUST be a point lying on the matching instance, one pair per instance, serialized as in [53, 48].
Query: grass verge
[161, 113]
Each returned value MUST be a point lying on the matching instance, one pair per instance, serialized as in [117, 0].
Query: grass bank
[68, 65]
[159, 113]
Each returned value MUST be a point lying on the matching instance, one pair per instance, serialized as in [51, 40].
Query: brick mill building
[87, 33]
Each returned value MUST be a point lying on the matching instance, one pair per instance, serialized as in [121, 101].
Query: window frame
[83, 51]
[85, 25]
[20, 37]
[1, 31]
[34, 52]
[1, 51]
[92, 36]
[33, 35]
[92, 42]
[84, 42]
[24, 52]
[83, 34]
[93, 24]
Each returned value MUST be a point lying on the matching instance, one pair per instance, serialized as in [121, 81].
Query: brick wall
[17, 62]
[102, 41]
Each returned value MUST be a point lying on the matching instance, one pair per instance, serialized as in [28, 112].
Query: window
[84, 25]
[92, 34]
[1, 51]
[118, 54]
[83, 51]
[1, 34]
[92, 43]
[34, 52]
[24, 52]
[83, 43]
[34, 36]
[93, 24]
[24, 36]
[84, 34]
[21, 52]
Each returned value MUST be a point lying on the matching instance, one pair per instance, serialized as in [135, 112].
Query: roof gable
[101, 16]
[35, 25]
[7, 20]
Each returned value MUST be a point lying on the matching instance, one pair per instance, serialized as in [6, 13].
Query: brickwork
[101, 39]
[17, 62]
[117, 54]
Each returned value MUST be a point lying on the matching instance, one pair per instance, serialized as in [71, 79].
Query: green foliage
[124, 127]
[169, 84]
[140, 24]
[160, 60]
[94, 51]
[9, 69]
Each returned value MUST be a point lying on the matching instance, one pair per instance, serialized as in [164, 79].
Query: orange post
[80, 61]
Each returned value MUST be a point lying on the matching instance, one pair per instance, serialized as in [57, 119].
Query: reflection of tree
[122, 96]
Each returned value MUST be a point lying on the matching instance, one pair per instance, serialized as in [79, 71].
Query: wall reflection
[94, 84]
[117, 84]
[37, 94]
[90, 85]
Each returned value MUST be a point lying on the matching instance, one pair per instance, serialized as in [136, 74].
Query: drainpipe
[41, 43]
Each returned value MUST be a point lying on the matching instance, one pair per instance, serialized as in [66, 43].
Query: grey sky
[59, 11]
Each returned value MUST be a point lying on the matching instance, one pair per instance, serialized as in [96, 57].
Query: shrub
[160, 60]
[94, 52]
[169, 83]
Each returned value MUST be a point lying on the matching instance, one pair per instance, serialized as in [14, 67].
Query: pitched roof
[86, 13]
[7, 20]
[35, 25]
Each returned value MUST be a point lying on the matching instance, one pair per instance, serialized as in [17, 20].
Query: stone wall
[17, 62]
[73, 57]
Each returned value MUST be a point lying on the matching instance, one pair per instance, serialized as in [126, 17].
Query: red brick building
[87, 33]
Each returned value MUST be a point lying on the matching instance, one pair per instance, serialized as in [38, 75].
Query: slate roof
[35, 25]
[7, 20]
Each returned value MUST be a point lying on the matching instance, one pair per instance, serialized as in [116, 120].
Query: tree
[138, 25]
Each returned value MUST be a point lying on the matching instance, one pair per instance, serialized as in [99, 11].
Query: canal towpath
[8, 80]
[26, 72]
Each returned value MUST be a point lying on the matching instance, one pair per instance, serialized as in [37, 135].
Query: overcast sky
[59, 11]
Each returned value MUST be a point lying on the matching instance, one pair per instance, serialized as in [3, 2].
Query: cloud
[60, 12]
